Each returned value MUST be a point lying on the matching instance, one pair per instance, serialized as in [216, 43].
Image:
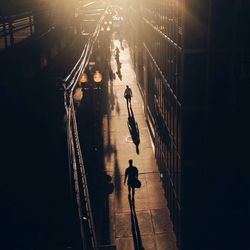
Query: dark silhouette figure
[131, 174]
[117, 51]
[117, 54]
[106, 188]
[135, 227]
[118, 63]
[118, 72]
[133, 128]
[128, 94]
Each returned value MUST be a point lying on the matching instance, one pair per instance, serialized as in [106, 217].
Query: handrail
[85, 56]
[11, 25]
[76, 163]
[84, 182]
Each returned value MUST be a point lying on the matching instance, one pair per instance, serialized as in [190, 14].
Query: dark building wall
[157, 45]
[214, 81]
[195, 57]
[37, 211]
[9, 7]
[36, 208]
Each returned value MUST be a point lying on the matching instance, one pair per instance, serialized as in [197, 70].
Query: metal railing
[15, 28]
[76, 163]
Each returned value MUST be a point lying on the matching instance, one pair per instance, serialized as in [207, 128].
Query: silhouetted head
[127, 86]
[130, 162]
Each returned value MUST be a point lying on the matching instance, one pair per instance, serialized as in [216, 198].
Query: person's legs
[133, 192]
[129, 190]
[127, 100]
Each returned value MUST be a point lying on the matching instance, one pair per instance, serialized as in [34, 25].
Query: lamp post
[83, 79]
[91, 85]
[97, 79]
[88, 83]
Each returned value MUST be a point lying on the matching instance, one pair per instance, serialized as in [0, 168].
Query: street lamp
[107, 25]
[91, 80]
[83, 79]
[97, 77]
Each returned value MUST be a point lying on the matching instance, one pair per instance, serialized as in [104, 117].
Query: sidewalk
[149, 220]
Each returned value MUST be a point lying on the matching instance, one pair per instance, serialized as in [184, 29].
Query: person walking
[128, 94]
[131, 173]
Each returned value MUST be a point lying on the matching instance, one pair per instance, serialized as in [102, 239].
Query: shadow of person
[119, 74]
[133, 128]
[135, 226]
[117, 109]
[117, 176]
[103, 187]
[119, 66]
[112, 97]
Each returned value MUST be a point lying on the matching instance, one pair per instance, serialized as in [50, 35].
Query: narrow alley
[148, 220]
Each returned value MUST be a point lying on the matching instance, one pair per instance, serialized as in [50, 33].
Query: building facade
[192, 65]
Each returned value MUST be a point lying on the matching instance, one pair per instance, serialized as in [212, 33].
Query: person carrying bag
[131, 175]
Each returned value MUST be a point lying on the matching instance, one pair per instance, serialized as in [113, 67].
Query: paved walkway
[148, 218]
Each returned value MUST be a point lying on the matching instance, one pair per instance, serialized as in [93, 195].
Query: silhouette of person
[117, 54]
[128, 94]
[131, 173]
[117, 50]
